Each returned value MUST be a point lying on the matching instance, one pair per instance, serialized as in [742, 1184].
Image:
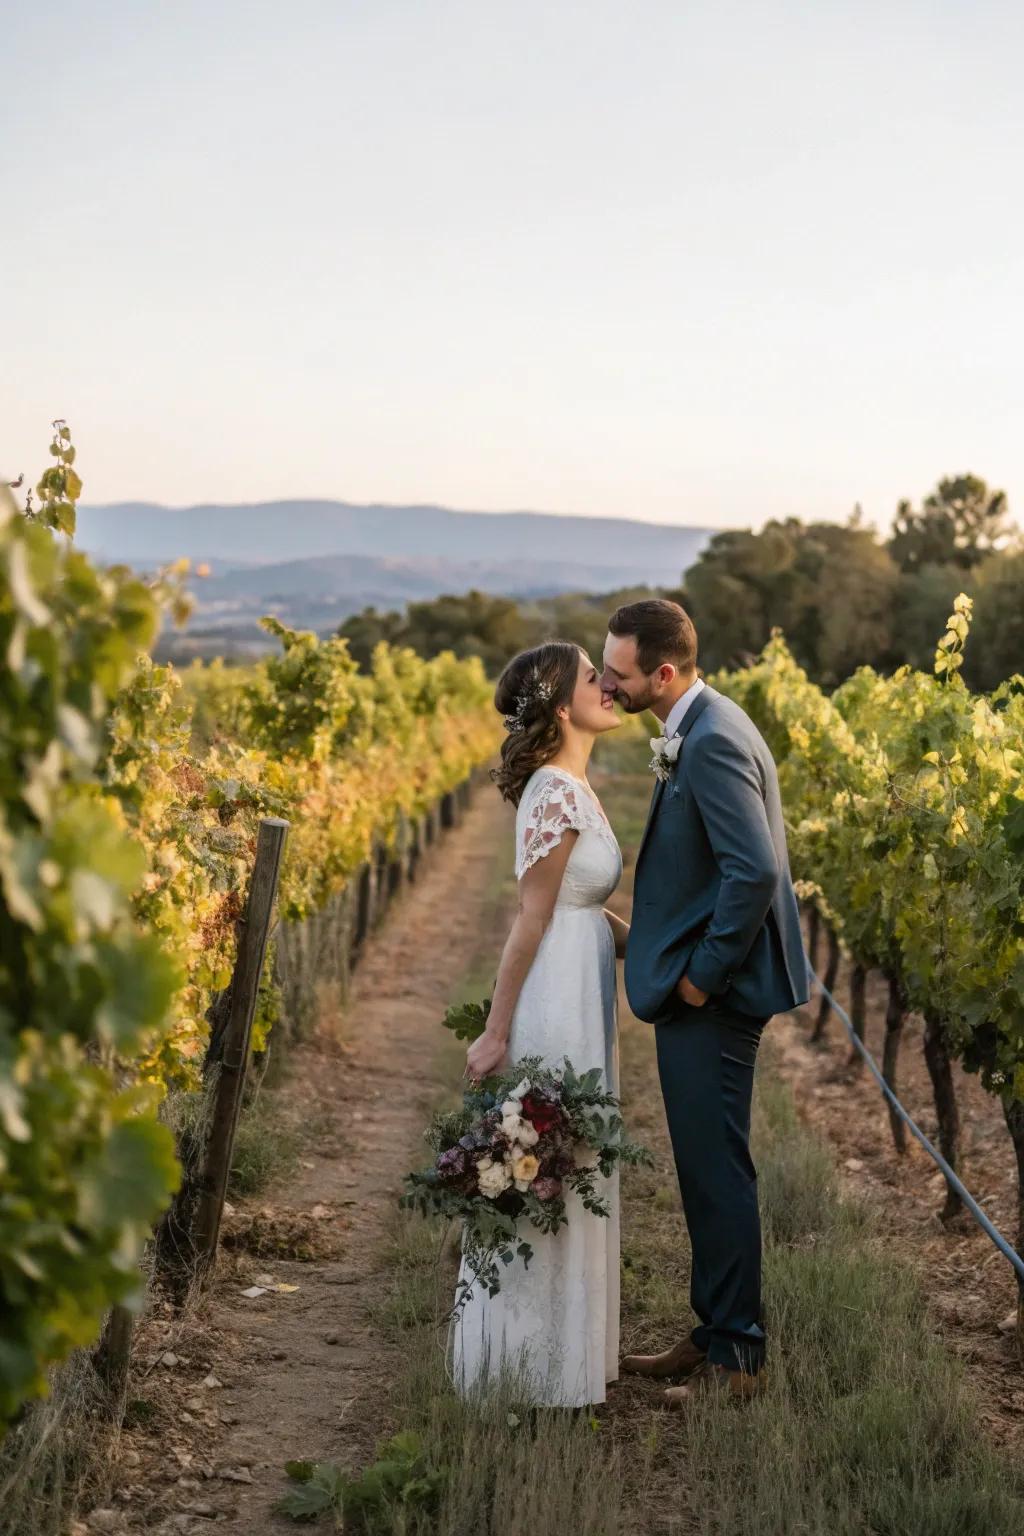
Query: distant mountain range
[314, 562]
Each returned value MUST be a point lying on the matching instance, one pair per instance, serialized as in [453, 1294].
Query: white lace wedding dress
[558, 1320]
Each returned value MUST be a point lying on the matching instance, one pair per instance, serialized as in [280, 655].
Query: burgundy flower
[542, 1114]
[546, 1188]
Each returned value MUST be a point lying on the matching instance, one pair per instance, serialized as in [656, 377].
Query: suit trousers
[706, 1060]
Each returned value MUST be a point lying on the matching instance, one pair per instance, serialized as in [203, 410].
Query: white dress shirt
[679, 708]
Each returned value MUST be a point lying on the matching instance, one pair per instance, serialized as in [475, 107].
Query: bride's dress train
[557, 1321]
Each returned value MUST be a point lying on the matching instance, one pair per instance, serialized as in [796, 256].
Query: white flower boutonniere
[666, 750]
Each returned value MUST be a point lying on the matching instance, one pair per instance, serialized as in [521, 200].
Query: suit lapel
[689, 720]
[659, 790]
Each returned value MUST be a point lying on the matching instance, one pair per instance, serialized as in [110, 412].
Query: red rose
[542, 1114]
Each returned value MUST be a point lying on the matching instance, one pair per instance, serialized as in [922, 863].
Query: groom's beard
[637, 704]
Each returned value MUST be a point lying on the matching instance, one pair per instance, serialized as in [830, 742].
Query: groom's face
[633, 690]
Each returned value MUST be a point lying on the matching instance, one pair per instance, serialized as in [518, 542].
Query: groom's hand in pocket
[691, 994]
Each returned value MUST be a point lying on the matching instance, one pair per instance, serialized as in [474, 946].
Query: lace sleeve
[554, 809]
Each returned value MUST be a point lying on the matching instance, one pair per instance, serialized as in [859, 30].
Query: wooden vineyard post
[895, 1015]
[940, 1070]
[364, 909]
[415, 847]
[381, 884]
[1013, 1113]
[432, 825]
[113, 1354]
[252, 944]
[858, 980]
[831, 972]
[398, 862]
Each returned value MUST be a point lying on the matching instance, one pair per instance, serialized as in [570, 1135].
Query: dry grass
[866, 1427]
[58, 1455]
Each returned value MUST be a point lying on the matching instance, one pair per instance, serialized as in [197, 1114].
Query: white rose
[493, 1180]
[511, 1107]
[511, 1125]
[519, 1093]
[526, 1134]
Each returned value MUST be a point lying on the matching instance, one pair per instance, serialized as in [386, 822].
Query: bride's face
[590, 709]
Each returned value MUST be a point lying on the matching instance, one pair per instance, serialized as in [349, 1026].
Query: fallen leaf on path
[255, 1290]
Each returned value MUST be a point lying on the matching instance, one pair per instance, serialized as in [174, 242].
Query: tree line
[844, 595]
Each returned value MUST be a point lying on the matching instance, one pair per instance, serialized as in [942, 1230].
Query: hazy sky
[695, 262]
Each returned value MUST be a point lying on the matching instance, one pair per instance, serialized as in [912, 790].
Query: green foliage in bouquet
[507, 1159]
[467, 1021]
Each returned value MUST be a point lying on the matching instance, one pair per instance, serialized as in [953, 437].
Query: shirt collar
[679, 708]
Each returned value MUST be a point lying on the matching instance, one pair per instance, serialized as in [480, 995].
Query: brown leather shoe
[738, 1385]
[682, 1360]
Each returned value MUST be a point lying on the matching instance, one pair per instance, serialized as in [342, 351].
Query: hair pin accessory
[535, 691]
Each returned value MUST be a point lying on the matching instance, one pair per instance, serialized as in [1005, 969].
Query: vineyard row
[904, 798]
[130, 799]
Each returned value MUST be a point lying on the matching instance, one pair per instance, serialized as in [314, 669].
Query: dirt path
[970, 1287]
[255, 1381]
[244, 1384]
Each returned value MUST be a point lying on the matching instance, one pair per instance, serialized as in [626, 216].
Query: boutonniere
[666, 750]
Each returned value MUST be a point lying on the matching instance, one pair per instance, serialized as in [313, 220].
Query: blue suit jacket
[712, 895]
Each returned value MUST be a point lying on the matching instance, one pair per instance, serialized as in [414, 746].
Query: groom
[714, 950]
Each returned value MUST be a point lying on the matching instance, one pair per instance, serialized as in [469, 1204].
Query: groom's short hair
[663, 632]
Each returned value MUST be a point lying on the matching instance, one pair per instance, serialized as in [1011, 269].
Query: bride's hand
[620, 932]
[485, 1055]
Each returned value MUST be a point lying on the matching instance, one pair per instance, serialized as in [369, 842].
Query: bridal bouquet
[506, 1160]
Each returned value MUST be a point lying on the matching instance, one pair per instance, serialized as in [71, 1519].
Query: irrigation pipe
[954, 1183]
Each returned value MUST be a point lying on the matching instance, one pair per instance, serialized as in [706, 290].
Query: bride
[557, 1321]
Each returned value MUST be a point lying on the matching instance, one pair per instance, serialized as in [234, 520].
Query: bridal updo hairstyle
[532, 687]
